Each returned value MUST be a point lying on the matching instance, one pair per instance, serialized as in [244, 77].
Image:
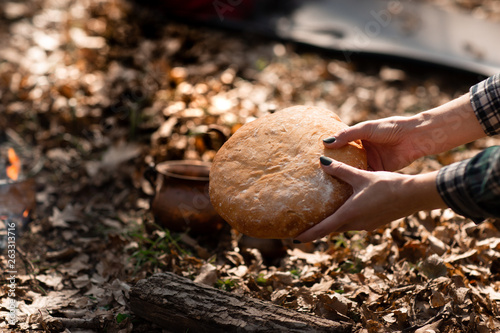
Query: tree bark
[180, 305]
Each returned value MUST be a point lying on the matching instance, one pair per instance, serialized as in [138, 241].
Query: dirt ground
[94, 91]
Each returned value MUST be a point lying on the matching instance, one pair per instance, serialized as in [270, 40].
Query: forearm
[445, 127]
[465, 119]
[423, 193]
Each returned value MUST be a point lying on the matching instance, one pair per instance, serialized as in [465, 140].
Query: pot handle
[151, 174]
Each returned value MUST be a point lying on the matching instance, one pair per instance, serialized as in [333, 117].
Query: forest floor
[94, 91]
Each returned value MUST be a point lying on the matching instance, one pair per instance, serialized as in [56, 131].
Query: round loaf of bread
[266, 181]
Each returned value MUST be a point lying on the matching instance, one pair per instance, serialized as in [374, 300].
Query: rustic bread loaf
[266, 180]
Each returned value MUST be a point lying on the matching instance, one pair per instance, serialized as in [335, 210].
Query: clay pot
[181, 201]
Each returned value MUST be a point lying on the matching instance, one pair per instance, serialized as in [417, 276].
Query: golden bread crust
[266, 180]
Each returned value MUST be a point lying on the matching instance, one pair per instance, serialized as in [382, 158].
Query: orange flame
[15, 164]
[26, 213]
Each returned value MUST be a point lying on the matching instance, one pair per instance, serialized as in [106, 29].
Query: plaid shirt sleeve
[472, 187]
[485, 100]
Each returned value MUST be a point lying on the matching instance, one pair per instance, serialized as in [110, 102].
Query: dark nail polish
[296, 241]
[325, 160]
[329, 140]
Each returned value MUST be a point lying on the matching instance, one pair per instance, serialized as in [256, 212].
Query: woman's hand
[395, 142]
[378, 198]
[389, 142]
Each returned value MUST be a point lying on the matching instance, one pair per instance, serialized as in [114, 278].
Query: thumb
[342, 171]
[348, 134]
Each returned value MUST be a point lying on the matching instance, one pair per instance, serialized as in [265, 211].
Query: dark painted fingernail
[329, 140]
[296, 241]
[325, 160]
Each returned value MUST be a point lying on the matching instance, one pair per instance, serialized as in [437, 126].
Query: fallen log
[180, 305]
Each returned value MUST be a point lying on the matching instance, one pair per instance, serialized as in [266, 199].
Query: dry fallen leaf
[207, 275]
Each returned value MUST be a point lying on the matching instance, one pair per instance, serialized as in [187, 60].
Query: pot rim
[163, 168]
